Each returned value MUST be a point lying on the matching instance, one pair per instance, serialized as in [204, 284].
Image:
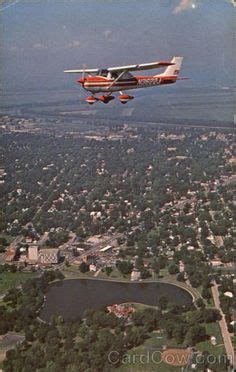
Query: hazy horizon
[42, 38]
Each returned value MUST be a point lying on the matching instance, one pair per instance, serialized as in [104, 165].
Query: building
[92, 267]
[33, 254]
[121, 311]
[10, 253]
[23, 258]
[135, 275]
[49, 256]
[107, 248]
[28, 240]
[229, 294]
[216, 262]
[213, 340]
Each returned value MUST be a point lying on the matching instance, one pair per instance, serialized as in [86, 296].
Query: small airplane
[119, 79]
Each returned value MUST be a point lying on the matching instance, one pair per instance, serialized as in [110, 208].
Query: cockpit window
[124, 76]
[102, 73]
[114, 75]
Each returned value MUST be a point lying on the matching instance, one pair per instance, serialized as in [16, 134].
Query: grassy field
[208, 302]
[146, 358]
[8, 238]
[234, 341]
[212, 329]
[11, 280]
[72, 272]
[115, 274]
[138, 306]
[140, 359]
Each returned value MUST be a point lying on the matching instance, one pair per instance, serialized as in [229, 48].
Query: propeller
[83, 73]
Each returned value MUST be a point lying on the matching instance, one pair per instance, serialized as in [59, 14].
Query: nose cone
[81, 81]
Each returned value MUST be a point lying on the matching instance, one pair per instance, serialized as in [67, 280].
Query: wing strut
[117, 79]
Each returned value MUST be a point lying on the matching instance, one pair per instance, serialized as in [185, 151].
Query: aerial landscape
[117, 209]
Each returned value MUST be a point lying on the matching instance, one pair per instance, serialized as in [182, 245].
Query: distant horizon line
[75, 88]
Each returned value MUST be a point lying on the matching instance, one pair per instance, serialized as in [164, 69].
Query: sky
[41, 38]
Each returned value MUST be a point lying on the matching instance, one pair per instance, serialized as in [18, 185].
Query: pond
[70, 298]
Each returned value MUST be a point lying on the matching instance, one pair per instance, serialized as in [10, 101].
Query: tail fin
[174, 69]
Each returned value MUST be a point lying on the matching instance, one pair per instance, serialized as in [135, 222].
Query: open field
[212, 329]
[11, 280]
[208, 302]
[177, 357]
[138, 306]
[8, 238]
[115, 274]
[147, 357]
[73, 272]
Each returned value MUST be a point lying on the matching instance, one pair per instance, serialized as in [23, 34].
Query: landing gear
[106, 98]
[124, 98]
[91, 100]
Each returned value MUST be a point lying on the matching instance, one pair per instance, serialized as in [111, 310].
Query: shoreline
[192, 291]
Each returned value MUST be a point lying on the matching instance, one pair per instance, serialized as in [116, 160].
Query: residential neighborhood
[137, 204]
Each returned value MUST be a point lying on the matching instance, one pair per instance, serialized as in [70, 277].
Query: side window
[102, 73]
[127, 75]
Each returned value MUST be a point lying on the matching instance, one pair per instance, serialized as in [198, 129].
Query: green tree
[108, 270]
[200, 303]
[206, 293]
[173, 268]
[125, 267]
[83, 267]
[195, 334]
[163, 302]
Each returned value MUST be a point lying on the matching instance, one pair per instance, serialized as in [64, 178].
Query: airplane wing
[140, 67]
[88, 71]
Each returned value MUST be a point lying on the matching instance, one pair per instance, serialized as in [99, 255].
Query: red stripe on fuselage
[101, 83]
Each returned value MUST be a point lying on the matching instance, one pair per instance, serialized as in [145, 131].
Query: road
[223, 326]
[97, 272]
[95, 249]
[43, 239]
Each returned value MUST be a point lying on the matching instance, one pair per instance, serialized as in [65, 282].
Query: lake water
[70, 298]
